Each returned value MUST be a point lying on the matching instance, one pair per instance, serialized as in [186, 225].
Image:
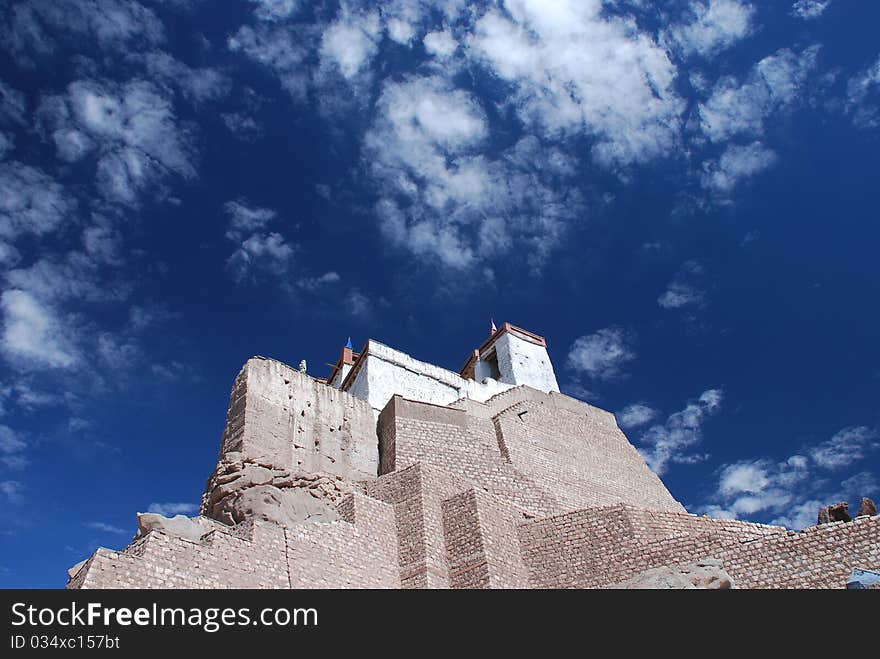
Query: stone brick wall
[498, 534]
[592, 547]
[358, 553]
[449, 439]
[598, 547]
[541, 452]
[451, 534]
[481, 542]
[817, 557]
[529, 489]
[417, 494]
[581, 457]
[468, 567]
[220, 560]
[423, 527]
[288, 420]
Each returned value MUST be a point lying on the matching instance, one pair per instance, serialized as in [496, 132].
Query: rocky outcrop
[704, 574]
[241, 488]
[837, 512]
[867, 507]
[71, 572]
[179, 525]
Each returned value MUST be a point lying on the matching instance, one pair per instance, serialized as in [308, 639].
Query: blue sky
[680, 196]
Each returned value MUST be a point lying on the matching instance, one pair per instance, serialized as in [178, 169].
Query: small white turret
[513, 356]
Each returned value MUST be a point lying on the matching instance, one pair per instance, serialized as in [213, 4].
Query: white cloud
[862, 484]
[845, 447]
[672, 441]
[777, 82]
[141, 317]
[579, 391]
[603, 354]
[791, 492]
[358, 304]
[736, 164]
[12, 449]
[242, 126]
[400, 31]
[244, 218]
[173, 370]
[7, 144]
[416, 12]
[13, 108]
[119, 352]
[274, 10]
[714, 26]
[31, 29]
[106, 528]
[31, 202]
[685, 289]
[635, 415]
[197, 85]
[33, 334]
[45, 325]
[73, 277]
[316, 283]
[9, 256]
[111, 22]
[428, 111]
[809, 9]
[103, 243]
[800, 515]
[441, 44]
[132, 129]
[29, 398]
[170, 509]
[351, 42]
[261, 252]
[742, 477]
[282, 49]
[12, 490]
[575, 70]
[863, 97]
[444, 197]
[679, 295]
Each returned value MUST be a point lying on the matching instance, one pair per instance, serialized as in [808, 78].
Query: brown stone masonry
[526, 490]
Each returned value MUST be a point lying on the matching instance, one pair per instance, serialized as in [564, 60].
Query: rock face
[704, 574]
[291, 448]
[868, 507]
[179, 525]
[71, 572]
[242, 488]
[837, 512]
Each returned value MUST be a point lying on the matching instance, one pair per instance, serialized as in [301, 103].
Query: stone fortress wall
[289, 420]
[462, 488]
